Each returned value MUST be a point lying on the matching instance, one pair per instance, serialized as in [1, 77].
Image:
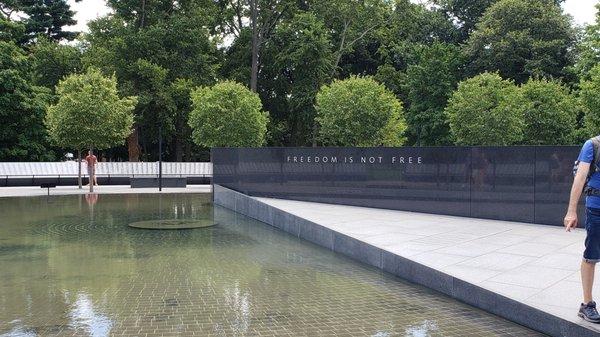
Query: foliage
[358, 111]
[41, 17]
[287, 50]
[430, 82]
[22, 107]
[522, 38]
[52, 62]
[351, 23]
[465, 12]
[237, 59]
[550, 116]
[589, 47]
[486, 110]
[180, 92]
[227, 114]
[591, 101]
[89, 112]
[11, 31]
[301, 61]
[149, 53]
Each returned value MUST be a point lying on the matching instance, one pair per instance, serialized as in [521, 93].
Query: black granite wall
[529, 184]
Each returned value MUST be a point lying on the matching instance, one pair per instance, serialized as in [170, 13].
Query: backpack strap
[594, 164]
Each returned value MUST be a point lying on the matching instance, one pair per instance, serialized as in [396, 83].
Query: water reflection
[83, 316]
[424, 329]
[70, 270]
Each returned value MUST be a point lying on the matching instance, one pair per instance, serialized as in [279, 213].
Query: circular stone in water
[173, 224]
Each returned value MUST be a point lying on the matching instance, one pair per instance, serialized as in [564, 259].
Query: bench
[48, 186]
[144, 182]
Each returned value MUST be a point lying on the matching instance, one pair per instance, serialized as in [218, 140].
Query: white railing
[129, 169]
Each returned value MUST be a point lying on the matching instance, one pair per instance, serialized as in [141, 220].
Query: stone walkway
[30, 191]
[534, 264]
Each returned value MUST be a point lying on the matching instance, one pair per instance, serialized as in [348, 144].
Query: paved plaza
[535, 264]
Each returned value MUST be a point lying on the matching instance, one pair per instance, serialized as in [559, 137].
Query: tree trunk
[133, 145]
[179, 137]
[178, 149]
[188, 151]
[79, 169]
[255, 45]
[338, 55]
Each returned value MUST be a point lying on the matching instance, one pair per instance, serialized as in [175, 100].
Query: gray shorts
[90, 169]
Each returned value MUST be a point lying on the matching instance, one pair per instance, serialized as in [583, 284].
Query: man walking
[91, 161]
[587, 179]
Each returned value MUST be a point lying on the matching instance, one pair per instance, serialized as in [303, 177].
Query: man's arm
[570, 220]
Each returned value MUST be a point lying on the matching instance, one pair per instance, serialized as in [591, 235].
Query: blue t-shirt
[587, 156]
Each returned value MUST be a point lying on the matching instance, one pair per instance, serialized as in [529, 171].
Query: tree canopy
[358, 111]
[228, 115]
[41, 17]
[522, 38]
[430, 81]
[89, 112]
[590, 98]
[286, 52]
[149, 52]
[486, 110]
[550, 114]
[589, 47]
[22, 108]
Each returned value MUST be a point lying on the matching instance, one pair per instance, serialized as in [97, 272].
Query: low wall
[65, 168]
[527, 184]
[107, 173]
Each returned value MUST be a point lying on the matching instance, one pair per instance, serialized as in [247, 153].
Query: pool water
[71, 266]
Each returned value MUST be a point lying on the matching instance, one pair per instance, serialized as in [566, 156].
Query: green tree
[227, 114]
[589, 89]
[237, 59]
[11, 31]
[351, 23]
[150, 49]
[358, 111]
[522, 38]
[551, 113]
[42, 17]
[260, 19]
[466, 13]
[22, 108]
[430, 81]
[589, 47]
[180, 92]
[411, 27]
[486, 110]
[89, 113]
[52, 62]
[299, 63]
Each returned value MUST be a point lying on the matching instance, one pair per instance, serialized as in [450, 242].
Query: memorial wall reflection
[529, 184]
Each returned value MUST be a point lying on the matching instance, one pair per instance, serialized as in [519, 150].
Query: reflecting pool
[71, 266]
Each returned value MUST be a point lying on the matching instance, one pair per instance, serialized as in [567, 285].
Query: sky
[583, 11]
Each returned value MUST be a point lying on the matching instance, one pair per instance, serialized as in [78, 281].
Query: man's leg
[587, 279]
[591, 255]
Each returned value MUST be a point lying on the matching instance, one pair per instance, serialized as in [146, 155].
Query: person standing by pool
[91, 161]
[587, 179]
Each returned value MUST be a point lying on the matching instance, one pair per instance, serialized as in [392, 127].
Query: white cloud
[85, 11]
[583, 11]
